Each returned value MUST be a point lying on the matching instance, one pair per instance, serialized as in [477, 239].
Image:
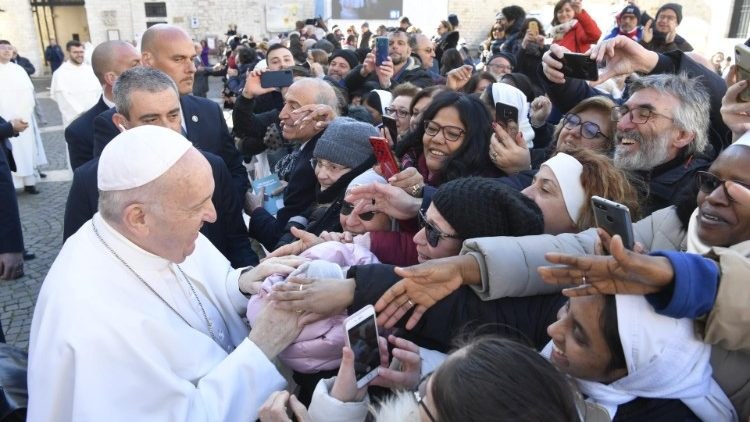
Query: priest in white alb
[140, 317]
[17, 102]
[74, 86]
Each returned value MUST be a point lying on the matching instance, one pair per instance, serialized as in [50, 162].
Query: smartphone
[362, 338]
[614, 218]
[742, 60]
[533, 28]
[505, 113]
[276, 78]
[312, 21]
[390, 124]
[384, 155]
[381, 45]
[579, 66]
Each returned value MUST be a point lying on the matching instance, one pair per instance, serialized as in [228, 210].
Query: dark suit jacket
[298, 196]
[227, 233]
[206, 129]
[79, 135]
[11, 237]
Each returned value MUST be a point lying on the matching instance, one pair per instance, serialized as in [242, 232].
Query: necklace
[138, 276]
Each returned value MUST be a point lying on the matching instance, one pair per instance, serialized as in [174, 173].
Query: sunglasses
[432, 233]
[348, 207]
[709, 182]
[589, 130]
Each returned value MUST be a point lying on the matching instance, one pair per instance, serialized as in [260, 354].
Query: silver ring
[583, 279]
[411, 304]
[301, 286]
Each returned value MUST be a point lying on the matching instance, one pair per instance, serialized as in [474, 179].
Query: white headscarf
[568, 171]
[665, 360]
[385, 99]
[510, 95]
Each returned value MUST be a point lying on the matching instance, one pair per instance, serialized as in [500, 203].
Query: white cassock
[17, 101]
[104, 347]
[75, 89]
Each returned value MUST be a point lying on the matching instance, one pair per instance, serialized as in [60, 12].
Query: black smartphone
[312, 21]
[390, 124]
[276, 78]
[579, 66]
[614, 218]
[381, 45]
[742, 60]
[505, 113]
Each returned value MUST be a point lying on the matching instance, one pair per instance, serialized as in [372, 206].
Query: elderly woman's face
[328, 173]
[721, 220]
[579, 348]
[545, 191]
[362, 223]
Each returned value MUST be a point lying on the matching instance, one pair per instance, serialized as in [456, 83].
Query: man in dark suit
[304, 95]
[11, 237]
[148, 96]
[170, 49]
[108, 60]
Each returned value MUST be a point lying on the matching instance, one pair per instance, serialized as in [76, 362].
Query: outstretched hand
[624, 272]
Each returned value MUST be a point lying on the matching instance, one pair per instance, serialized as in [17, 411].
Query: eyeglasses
[421, 393]
[397, 112]
[327, 165]
[451, 133]
[589, 130]
[348, 207]
[432, 233]
[709, 182]
[638, 115]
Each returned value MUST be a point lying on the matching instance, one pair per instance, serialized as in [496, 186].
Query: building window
[740, 19]
[156, 9]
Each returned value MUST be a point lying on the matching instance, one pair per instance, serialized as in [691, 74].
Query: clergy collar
[132, 254]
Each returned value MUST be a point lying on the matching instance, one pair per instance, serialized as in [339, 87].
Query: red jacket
[580, 38]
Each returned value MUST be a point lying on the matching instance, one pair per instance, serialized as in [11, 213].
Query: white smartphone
[362, 338]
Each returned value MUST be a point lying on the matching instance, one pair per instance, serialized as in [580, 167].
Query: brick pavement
[42, 222]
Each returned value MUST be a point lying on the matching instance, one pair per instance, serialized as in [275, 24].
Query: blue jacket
[696, 280]
[79, 135]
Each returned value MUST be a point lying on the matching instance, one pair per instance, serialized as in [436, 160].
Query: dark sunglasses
[347, 208]
[589, 130]
[709, 182]
[433, 233]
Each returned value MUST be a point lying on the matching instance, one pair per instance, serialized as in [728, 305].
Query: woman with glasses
[399, 108]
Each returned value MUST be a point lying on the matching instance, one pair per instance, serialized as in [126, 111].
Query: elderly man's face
[499, 66]
[643, 146]
[425, 51]
[173, 54]
[173, 224]
[628, 23]
[298, 95]
[338, 68]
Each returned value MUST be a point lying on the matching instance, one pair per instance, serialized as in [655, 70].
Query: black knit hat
[506, 56]
[676, 8]
[483, 207]
[347, 55]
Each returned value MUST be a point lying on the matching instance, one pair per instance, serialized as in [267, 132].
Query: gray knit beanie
[346, 142]
[484, 207]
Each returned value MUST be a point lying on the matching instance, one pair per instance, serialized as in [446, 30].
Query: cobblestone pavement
[42, 221]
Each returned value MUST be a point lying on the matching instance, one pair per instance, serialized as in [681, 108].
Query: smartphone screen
[579, 66]
[363, 340]
[381, 44]
[390, 124]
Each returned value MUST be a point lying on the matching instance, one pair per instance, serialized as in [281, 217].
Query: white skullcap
[138, 156]
[568, 172]
[744, 140]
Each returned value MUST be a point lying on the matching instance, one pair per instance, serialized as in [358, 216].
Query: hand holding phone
[614, 218]
[387, 161]
[742, 61]
[362, 338]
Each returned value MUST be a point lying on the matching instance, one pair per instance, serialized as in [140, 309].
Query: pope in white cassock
[74, 86]
[17, 102]
[140, 317]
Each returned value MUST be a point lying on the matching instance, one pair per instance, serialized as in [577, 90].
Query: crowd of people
[497, 296]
